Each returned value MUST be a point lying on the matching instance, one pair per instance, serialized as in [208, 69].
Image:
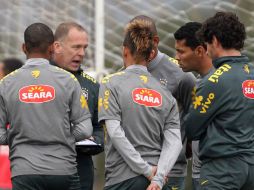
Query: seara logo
[146, 97]
[248, 89]
[37, 94]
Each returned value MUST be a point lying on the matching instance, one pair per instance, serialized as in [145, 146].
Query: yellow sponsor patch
[216, 75]
[203, 103]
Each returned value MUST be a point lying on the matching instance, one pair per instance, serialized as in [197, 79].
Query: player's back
[37, 98]
[145, 106]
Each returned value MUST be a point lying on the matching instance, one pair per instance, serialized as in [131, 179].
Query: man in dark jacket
[222, 112]
[71, 41]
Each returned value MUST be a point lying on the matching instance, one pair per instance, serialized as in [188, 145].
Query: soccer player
[223, 108]
[180, 84]
[47, 113]
[141, 118]
[192, 56]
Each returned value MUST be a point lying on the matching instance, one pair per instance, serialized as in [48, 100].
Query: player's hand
[153, 186]
[154, 170]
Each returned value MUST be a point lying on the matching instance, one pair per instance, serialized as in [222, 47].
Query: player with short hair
[191, 55]
[47, 114]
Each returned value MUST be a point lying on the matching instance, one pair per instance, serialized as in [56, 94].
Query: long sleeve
[171, 149]
[83, 130]
[126, 149]
[204, 108]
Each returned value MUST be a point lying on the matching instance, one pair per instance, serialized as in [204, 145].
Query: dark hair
[227, 28]
[38, 37]
[187, 32]
[11, 64]
[63, 29]
[139, 39]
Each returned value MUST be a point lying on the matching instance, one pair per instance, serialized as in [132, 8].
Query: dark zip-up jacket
[222, 114]
[90, 88]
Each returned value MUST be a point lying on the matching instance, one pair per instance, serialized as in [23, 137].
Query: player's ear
[200, 51]
[125, 51]
[152, 55]
[156, 40]
[24, 48]
[57, 47]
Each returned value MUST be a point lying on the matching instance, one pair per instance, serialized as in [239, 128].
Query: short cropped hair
[63, 29]
[187, 32]
[38, 37]
[227, 28]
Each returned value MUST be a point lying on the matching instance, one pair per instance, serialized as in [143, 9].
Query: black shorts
[42, 182]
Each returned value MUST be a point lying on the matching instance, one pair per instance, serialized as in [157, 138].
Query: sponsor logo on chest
[248, 89]
[37, 94]
[147, 97]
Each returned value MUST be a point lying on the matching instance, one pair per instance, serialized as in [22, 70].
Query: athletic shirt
[143, 107]
[167, 71]
[40, 101]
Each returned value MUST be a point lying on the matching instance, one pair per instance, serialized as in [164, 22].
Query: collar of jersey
[230, 60]
[37, 61]
[155, 61]
[134, 67]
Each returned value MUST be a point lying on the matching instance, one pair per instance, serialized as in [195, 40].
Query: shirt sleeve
[126, 149]
[171, 147]
[82, 130]
[108, 103]
[205, 106]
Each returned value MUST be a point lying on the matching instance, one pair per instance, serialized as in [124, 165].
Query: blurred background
[104, 21]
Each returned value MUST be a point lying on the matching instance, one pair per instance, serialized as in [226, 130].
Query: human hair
[148, 19]
[63, 29]
[187, 32]
[11, 64]
[227, 28]
[139, 39]
[38, 37]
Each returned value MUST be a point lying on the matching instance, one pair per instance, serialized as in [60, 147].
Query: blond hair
[139, 39]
